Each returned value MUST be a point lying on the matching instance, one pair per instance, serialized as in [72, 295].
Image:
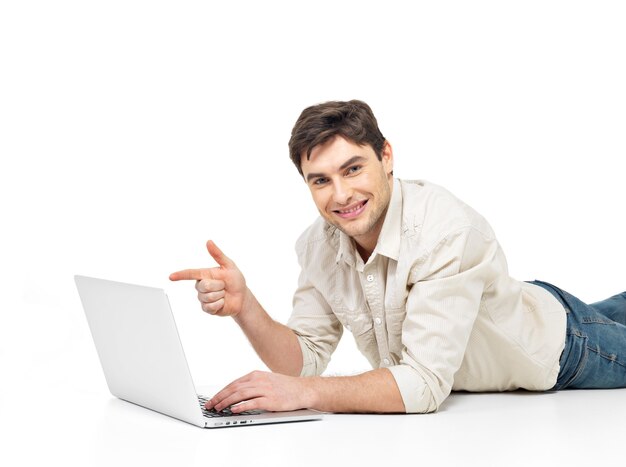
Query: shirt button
[386, 361]
[378, 321]
[348, 327]
[370, 278]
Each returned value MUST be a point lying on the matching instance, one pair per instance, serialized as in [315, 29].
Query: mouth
[351, 211]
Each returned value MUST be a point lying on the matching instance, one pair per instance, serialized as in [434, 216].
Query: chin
[352, 231]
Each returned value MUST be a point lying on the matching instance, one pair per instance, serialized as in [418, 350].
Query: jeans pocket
[573, 359]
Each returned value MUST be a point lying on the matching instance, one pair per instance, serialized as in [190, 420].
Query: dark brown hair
[354, 120]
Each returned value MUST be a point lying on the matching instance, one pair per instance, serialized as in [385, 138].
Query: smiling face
[351, 188]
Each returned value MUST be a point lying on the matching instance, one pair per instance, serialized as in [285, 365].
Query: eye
[320, 181]
[354, 169]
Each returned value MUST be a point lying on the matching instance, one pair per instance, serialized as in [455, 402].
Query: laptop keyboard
[224, 412]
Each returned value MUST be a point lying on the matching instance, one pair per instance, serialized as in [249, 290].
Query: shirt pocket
[359, 323]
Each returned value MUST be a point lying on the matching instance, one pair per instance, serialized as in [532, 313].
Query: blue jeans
[595, 347]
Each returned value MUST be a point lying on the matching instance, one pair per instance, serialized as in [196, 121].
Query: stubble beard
[376, 218]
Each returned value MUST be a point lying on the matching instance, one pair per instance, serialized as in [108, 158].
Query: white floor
[60, 426]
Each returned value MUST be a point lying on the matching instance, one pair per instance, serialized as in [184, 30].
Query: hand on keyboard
[226, 412]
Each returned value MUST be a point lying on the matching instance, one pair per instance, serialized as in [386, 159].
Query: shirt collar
[389, 239]
[346, 250]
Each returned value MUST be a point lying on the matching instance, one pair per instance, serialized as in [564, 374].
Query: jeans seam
[592, 320]
[610, 357]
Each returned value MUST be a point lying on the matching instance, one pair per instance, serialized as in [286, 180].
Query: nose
[342, 192]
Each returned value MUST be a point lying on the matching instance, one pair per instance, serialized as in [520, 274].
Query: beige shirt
[434, 303]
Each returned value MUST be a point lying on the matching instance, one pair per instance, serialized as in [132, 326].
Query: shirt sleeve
[316, 326]
[445, 295]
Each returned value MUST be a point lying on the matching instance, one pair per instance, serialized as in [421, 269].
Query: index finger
[189, 275]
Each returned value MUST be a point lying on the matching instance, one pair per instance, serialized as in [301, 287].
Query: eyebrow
[343, 166]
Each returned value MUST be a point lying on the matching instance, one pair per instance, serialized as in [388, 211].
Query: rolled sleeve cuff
[415, 393]
[309, 367]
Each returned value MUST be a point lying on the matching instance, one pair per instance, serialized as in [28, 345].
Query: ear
[387, 156]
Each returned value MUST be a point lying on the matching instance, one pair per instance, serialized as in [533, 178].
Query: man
[420, 280]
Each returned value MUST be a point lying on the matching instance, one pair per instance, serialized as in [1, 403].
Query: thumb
[217, 254]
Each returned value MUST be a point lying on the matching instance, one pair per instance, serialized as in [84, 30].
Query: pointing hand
[222, 290]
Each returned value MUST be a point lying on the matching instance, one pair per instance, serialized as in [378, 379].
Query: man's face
[351, 187]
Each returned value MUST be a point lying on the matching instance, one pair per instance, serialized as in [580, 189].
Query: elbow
[312, 361]
[417, 391]
[424, 403]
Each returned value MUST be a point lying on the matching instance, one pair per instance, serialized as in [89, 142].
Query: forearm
[275, 343]
[372, 392]
[375, 391]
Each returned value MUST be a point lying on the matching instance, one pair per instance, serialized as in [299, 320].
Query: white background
[131, 132]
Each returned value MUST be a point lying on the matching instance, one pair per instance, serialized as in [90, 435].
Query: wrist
[311, 392]
[248, 302]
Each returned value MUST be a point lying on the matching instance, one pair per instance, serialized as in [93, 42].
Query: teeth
[356, 208]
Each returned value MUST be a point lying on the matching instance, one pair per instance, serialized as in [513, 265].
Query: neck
[365, 246]
[364, 253]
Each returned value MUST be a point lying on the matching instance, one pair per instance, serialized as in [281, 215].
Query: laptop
[143, 359]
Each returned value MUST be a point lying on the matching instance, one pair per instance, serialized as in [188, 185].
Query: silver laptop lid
[139, 347]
